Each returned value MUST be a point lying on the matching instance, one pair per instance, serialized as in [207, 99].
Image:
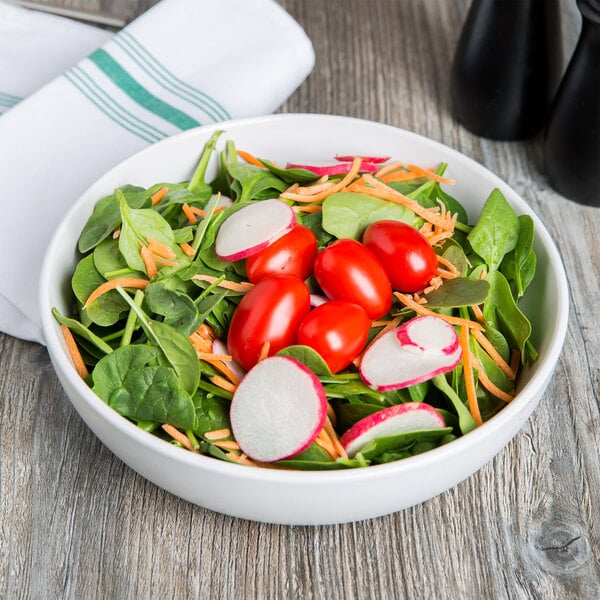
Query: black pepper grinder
[572, 139]
[506, 67]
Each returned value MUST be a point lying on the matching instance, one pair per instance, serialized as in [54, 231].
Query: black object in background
[506, 67]
[572, 139]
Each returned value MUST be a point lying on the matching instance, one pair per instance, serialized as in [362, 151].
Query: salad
[302, 316]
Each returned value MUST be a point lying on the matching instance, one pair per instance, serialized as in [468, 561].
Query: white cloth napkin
[181, 64]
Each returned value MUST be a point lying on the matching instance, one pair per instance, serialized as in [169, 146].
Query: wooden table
[77, 523]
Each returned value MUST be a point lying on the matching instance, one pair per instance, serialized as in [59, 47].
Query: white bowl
[304, 497]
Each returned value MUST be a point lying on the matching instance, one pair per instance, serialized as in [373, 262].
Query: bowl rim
[447, 452]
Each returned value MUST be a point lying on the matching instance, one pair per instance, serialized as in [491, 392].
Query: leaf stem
[465, 420]
[131, 320]
[197, 181]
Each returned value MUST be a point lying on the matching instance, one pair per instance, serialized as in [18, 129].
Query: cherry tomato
[294, 254]
[337, 330]
[407, 257]
[270, 312]
[348, 270]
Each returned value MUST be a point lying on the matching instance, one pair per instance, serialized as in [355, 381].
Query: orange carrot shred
[264, 351]
[111, 284]
[420, 172]
[250, 158]
[223, 383]
[187, 249]
[178, 436]
[325, 442]
[149, 262]
[116, 233]
[488, 384]
[217, 434]
[494, 355]
[227, 444]
[389, 168]
[307, 208]
[468, 374]
[74, 352]
[160, 249]
[159, 195]
[187, 211]
[243, 286]
[333, 436]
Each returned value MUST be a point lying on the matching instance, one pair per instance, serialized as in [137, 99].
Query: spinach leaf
[252, 183]
[106, 216]
[177, 350]
[460, 291]
[497, 231]
[403, 442]
[212, 413]
[178, 309]
[110, 263]
[302, 176]
[519, 265]
[109, 307]
[111, 371]
[309, 357]
[312, 459]
[81, 330]
[137, 226]
[154, 394]
[197, 184]
[502, 312]
[348, 214]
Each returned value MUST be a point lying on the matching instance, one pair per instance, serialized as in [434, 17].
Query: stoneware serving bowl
[304, 497]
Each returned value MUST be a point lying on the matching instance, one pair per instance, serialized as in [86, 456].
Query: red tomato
[337, 330]
[348, 270]
[294, 254]
[270, 312]
[407, 257]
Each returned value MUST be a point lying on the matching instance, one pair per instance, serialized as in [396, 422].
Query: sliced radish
[388, 364]
[336, 169]
[219, 347]
[253, 228]
[411, 416]
[428, 334]
[369, 159]
[317, 300]
[278, 409]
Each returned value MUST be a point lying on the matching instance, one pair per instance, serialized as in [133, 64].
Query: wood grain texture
[75, 522]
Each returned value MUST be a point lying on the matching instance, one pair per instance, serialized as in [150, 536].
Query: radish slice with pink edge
[387, 364]
[369, 159]
[219, 347]
[252, 228]
[411, 416]
[278, 409]
[428, 334]
[335, 169]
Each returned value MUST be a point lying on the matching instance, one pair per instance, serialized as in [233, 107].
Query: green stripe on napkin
[166, 79]
[104, 61]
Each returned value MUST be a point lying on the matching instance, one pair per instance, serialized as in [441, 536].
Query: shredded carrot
[333, 436]
[203, 347]
[178, 436]
[385, 192]
[207, 332]
[243, 286]
[211, 356]
[159, 195]
[420, 172]
[74, 352]
[421, 310]
[165, 262]
[264, 351]
[434, 284]
[187, 211]
[160, 249]
[217, 434]
[227, 445]
[200, 343]
[187, 249]
[116, 233]
[223, 383]
[250, 158]
[468, 374]
[111, 284]
[478, 314]
[307, 208]
[149, 262]
[488, 384]
[494, 355]
[325, 442]
[313, 189]
[336, 187]
[389, 168]
[450, 268]
[331, 413]
[242, 459]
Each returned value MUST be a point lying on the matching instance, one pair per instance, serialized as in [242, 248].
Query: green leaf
[154, 394]
[111, 371]
[177, 308]
[460, 291]
[502, 312]
[519, 265]
[348, 214]
[211, 413]
[81, 330]
[302, 176]
[307, 356]
[106, 216]
[497, 231]
[402, 441]
[254, 182]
